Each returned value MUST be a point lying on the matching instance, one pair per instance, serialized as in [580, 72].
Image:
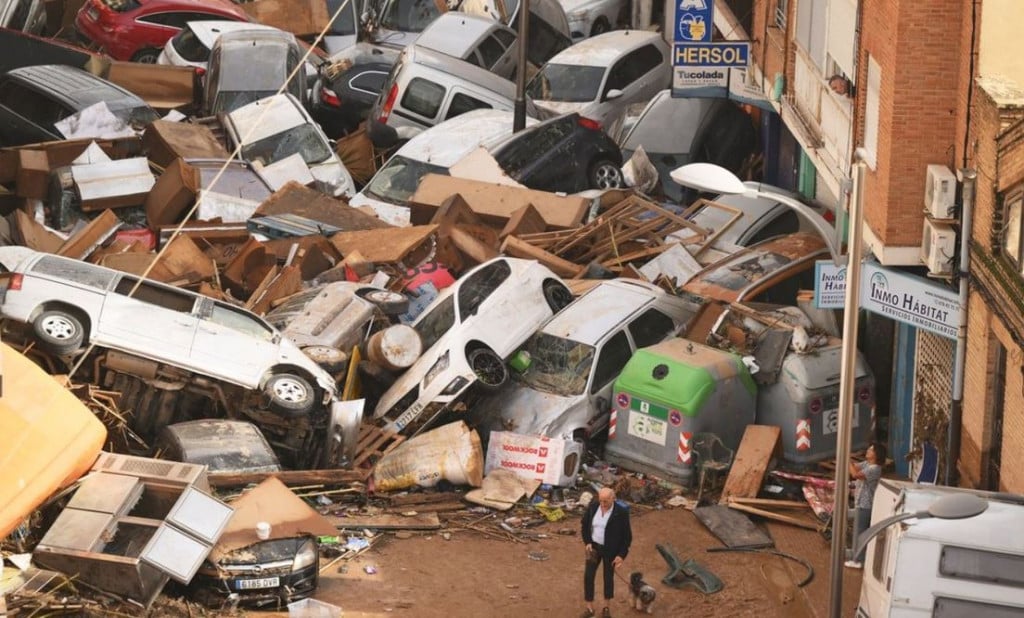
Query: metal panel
[199, 514]
[901, 409]
[107, 493]
[175, 553]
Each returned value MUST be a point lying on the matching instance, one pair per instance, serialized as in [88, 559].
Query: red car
[138, 29]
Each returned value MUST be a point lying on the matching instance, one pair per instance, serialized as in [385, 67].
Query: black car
[342, 99]
[34, 98]
[567, 153]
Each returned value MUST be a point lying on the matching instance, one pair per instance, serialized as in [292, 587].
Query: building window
[811, 26]
[781, 9]
[1011, 228]
[871, 112]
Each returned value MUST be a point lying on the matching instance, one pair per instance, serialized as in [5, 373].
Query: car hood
[521, 409]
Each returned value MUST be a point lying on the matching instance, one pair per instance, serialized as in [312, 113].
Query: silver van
[427, 87]
[70, 304]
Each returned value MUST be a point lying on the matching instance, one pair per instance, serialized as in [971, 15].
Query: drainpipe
[956, 412]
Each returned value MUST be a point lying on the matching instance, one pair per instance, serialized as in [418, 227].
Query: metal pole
[957, 407]
[519, 111]
[847, 384]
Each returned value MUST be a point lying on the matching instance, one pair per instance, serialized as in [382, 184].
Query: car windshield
[397, 181]
[345, 23]
[302, 139]
[558, 366]
[409, 15]
[436, 322]
[566, 82]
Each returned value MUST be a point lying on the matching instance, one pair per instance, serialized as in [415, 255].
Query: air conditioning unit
[940, 192]
[938, 246]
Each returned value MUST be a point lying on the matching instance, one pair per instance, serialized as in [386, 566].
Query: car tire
[604, 174]
[289, 394]
[59, 332]
[600, 27]
[146, 56]
[557, 295]
[391, 303]
[489, 368]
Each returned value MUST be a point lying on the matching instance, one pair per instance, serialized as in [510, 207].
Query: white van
[970, 568]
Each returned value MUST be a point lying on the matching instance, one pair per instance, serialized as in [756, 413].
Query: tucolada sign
[902, 297]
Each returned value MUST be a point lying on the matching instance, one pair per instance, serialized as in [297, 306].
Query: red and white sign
[612, 422]
[684, 454]
[530, 457]
[803, 435]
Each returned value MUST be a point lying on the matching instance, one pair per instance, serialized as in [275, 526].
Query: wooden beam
[291, 478]
[756, 449]
[796, 521]
[521, 249]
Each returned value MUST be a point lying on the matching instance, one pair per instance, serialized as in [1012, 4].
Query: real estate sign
[700, 67]
[900, 296]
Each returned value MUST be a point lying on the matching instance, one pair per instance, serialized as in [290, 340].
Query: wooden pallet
[373, 444]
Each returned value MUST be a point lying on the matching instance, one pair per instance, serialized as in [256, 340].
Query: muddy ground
[469, 574]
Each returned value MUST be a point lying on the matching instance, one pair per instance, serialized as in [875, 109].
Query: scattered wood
[292, 478]
[759, 444]
[803, 522]
[423, 498]
[526, 220]
[34, 235]
[517, 247]
[296, 199]
[286, 282]
[389, 245]
[374, 442]
[388, 521]
[82, 243]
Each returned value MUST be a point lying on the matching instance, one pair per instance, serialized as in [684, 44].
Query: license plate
[830, 420]
[408, 416]
[261, 582]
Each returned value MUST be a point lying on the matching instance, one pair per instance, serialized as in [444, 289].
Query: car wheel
[604, 174]
[289, 394]
[557, 295]
[58, 332]
[146, 56]
[391, 303]
[600, 27]
[490, 370]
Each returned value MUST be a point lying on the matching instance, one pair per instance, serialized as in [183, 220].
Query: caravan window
[981, 565]
[962, 608]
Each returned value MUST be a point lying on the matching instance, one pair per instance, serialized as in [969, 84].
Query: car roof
[75, 86]
[605, 306]
[455, 33]
[456, 67]
[755, 264]
[602, 50]
[207, 31]
[446, 143]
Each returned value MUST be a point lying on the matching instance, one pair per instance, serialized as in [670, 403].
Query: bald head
[606, 497]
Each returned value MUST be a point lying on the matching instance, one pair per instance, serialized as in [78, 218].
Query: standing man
[866, 473]
[606, 538]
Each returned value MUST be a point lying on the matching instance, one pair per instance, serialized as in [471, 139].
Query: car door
[462, 101]
[496, 52]
[233, 344]
[612, 355]
[152, 320]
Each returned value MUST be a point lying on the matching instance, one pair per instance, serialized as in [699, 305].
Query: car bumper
[215, 591]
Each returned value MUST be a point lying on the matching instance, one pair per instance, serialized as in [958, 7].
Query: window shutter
[842, 22]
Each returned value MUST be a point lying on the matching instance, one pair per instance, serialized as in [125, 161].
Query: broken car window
[409, 15]
[436, 322]
[558, 366]
[650, 328]
[156, 295]
[302, 139]
[479, 286]
[566, 82]
[397, 181]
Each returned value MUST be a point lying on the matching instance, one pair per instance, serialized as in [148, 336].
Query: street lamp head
[708, 177]
[957, 506]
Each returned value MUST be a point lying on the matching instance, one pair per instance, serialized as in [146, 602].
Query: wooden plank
[407, 500]
[521, 249]
[420, 521]
[796, 521]
[526, 220]
[291, 478]
[286, 283]
[731, 528]
[91, 236]
[34, 235]
[296, 199]
[248, 268]
[386, 246]
[759, 444]
[478, 252]
[782, 504]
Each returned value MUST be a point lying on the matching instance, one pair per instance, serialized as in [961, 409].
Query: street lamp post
[519, 107]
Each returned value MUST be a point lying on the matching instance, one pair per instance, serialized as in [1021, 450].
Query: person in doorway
[867, 473]
[607, 536]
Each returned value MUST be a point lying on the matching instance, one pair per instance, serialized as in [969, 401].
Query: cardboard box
[163, 86]
[495, 203]
[33, 176]
[300, 17]
[113, 184]
[172, 195]
[165, 141]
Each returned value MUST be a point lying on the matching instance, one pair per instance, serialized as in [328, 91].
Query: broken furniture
[690, 573]
[133, 524]
[713, 457]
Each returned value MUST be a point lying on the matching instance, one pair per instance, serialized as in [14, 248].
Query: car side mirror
[614, 93]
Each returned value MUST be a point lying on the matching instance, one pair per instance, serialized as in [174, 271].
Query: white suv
[70, 303]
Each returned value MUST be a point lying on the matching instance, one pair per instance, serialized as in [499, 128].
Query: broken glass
[557, 365]
[566, 82]
[302, 139]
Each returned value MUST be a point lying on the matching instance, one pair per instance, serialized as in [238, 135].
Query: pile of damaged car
[252, 285]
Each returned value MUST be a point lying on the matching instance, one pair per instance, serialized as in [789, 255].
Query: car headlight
[306, 556]
[454, 386]
[440, 365]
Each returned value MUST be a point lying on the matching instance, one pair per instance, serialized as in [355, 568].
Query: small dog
[641, 594]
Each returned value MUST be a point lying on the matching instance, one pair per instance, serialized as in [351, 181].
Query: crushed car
[468, 332]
